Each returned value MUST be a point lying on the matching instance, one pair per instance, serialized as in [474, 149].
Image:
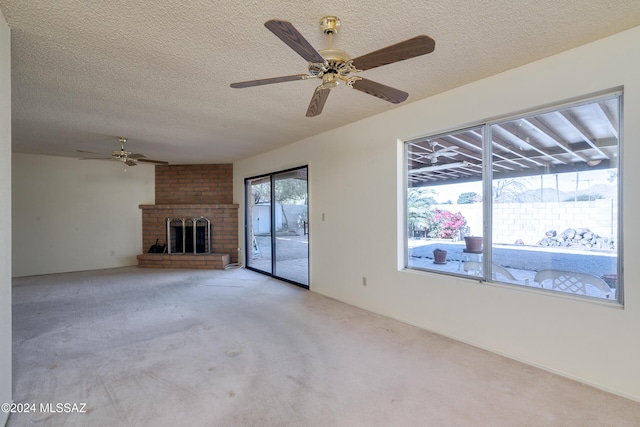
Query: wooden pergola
[583, 137]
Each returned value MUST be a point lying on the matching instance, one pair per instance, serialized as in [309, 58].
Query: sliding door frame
[273, 203]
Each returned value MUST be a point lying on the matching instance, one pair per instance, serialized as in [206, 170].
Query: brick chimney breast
[191, 191]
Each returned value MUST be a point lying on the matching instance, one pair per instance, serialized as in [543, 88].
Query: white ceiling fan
[446, 152]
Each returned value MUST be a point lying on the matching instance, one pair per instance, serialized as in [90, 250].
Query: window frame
[486, 127]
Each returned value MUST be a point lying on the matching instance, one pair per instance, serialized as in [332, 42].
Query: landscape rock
[581, 238]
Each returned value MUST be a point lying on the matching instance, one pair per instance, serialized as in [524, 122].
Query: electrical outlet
[323, 216]
[364, 281]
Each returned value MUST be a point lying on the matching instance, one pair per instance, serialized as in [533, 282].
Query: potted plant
[473, 243]
[439, 256]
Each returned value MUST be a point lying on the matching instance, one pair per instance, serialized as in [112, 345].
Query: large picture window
[530, 201]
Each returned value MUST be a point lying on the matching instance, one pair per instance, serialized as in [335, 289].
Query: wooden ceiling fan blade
[260, 82]
[158, 162]
[131, 163]
[416, 46]
[317, 101]
[388, 93]
[91, 152]
[136, 156]
[286, 32]
[95, 158]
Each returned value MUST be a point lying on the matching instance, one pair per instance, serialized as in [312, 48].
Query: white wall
[355, 181]
[71, 215]
[5, 215]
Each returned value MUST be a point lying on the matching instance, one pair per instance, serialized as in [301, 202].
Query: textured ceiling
[158, 72]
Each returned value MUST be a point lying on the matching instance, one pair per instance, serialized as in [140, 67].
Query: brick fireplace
[188, 196]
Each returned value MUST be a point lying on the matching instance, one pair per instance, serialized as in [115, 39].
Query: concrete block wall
[529, 221]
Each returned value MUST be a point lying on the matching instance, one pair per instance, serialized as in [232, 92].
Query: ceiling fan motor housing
[337, 62]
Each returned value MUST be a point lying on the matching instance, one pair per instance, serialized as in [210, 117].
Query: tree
[419, 201]
[469, 198]
[290, 190]
[287, 191]
[261, 192]
[507, 190]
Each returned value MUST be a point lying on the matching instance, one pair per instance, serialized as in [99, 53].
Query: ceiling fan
[335, 65]
[126, 157]
[446, 152]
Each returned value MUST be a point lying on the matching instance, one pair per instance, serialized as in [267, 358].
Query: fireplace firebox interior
[189, 235]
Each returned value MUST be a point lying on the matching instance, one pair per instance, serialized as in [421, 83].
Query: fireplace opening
[186, 235]
[200, 234]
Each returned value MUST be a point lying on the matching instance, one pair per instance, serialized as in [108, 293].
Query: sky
[566, 183]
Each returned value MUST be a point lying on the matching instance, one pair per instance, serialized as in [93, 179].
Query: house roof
[159, 73]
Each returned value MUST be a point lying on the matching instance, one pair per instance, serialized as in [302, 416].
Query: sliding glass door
[277, 225]
[258, 223]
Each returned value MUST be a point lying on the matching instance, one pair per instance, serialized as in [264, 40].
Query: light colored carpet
[146, 347]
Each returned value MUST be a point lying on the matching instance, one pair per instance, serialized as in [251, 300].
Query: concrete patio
[523, 262]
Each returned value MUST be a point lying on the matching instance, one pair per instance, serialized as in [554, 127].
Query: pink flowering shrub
[445, 224]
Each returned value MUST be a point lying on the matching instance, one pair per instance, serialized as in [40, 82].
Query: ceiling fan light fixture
[329, 81]
[329, 85]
